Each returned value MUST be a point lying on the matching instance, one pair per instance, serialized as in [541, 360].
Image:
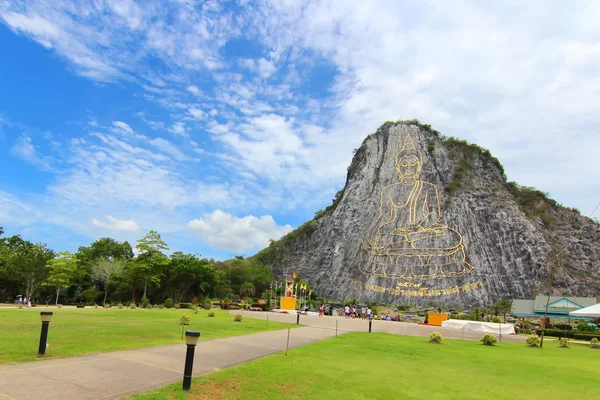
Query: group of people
[353, 312]
[23, 300]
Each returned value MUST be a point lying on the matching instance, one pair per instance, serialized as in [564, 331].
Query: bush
[496, 319]
[78, 306]
[132, 306]
[161, 306]
[169, 302]
[145, 303]
[488, 339]
[185, 319]
[533, 341]
[177, 306]
[206, 303]
[436, 337]
[195, 308]
[185, 305]
[563, 343]
[211, 314]
[237, 318]
[120, 305]
[595, 343]
[585, 336]
[95, 305]
[585, 327]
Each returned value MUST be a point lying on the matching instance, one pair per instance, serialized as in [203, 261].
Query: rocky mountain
[424, 219]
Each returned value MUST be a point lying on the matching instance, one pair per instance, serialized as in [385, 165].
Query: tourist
[347, 312]
[321, 311]
[369, 313]
[363, 313]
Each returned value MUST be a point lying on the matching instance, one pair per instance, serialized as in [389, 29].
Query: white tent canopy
[591, 311]
[484, 327]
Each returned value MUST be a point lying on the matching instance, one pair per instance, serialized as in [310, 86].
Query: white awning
[591, 311]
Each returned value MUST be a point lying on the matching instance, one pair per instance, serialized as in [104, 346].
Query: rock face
[427, 220]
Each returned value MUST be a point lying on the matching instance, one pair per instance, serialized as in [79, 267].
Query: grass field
[384, 366]
[75, 332]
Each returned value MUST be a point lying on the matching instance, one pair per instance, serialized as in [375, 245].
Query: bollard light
[191, 339]
[46, 317]
[298, 319]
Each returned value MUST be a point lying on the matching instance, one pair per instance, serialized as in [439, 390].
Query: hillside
[425, 219]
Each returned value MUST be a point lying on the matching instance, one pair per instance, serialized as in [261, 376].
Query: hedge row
[568, 334]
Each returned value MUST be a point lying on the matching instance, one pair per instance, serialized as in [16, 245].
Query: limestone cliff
[425, 219]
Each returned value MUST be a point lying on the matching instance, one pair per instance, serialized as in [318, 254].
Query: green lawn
[384, 366]
[75, 332]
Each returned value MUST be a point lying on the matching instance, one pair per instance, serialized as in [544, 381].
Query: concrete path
[360, 325]
[123, 373]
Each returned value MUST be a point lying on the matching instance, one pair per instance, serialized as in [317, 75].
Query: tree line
[108, 271]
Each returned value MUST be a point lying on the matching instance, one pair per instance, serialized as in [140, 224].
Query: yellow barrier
[436, 319]
[288, 303]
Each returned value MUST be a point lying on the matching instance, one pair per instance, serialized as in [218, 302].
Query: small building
[558, 306]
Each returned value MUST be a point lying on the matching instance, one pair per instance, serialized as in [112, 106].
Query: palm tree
[247, 289]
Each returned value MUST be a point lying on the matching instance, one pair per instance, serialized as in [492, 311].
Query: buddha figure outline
[408, 240]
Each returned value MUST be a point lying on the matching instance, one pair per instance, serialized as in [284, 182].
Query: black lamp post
[191, 339]
[46, 317]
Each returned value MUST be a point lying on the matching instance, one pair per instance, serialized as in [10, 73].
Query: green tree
[26, 263]
[105, 269]
[247, 289]
[61, 270]
[502, 307]
[150, 262]
[188, 270]
[103, 248]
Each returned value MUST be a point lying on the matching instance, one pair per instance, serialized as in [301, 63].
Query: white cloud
[229, 232]
[197, 113]
[15, 212]
[265, 68]
[169, 148]
[27, 151]
[179, 128]
[122, 127]
[193, 89]
[116, 224]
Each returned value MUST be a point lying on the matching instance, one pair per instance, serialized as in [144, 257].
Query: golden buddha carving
[408, 240]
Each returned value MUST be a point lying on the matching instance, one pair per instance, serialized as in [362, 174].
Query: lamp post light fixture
[191, 339]
[46, 317]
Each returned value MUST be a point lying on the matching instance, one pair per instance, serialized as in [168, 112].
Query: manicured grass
[385, 366]
[75, 332]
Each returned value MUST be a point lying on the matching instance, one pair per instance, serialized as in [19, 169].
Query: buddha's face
[408, 167]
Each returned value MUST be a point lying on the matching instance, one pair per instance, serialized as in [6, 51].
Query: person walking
[347, 311]
[321, 311]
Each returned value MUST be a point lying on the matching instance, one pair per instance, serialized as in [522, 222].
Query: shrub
[533, 341]
[95, 305]
[585, 327]
[169, 302]
[585, 336]
[195, 308]
[211, 314]
[563, 343]
[496, 319]
[106, 305]
[145, 303]
[177, 306]
[120, 305]
[185, 319]
[161, 306]
[184, 305]
[436, 337]
[132, 306]
[595, 343]
[488, 339]
[237, 318]
[206, 303]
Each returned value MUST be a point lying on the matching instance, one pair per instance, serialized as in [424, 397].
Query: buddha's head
[409, 161]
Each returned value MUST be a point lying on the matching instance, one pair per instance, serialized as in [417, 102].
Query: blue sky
[225, 124]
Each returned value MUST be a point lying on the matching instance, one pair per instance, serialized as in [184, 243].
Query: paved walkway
[360, 325]
[123, 373]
